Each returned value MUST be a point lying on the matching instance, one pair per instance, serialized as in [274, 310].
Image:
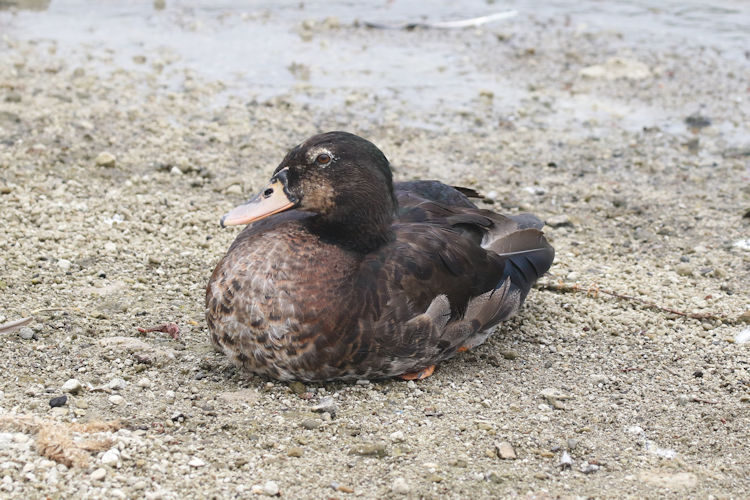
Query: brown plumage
[344, 275]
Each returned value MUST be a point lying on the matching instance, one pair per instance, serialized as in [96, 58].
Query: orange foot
[463, 348]
[421, 374]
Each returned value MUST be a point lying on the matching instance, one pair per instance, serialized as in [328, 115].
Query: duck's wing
[450, 274]
[410, 193]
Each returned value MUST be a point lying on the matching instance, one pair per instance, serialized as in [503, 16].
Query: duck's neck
[362, 229]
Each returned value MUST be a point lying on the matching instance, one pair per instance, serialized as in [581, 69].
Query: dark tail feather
[527, 256]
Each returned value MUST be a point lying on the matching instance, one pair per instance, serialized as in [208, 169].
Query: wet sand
[120, 150]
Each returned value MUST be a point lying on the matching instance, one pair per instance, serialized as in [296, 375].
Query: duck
[343, 274]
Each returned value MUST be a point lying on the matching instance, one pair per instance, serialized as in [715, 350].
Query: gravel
[94, 249]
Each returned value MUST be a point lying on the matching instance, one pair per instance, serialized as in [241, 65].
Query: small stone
[559, 221]
[683, 269]
[110, 247]
[400, 486]
[505, 451]
[742, 337]
[495, 477]
[116, 384]
[566, 462]
[509, 354]
[26, 333]
[144, 383]
[696, 120]
[196, 462]
[160, 4]
[58, 401]
[111, 457]
[64, 264]
[311, 423]
[270, 488]
[572, 444]
[588, 468]
[297, 388]
[398, 437]
[116, 399]
[73, 386]
[294, 451]
[98, 474]
[370, 450]
[175, 171]
[683, 399]
[326, 405]
[105, 159]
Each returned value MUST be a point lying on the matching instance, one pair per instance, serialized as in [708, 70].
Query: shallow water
[259, 50]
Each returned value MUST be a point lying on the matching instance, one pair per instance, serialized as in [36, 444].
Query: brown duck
[342, 274]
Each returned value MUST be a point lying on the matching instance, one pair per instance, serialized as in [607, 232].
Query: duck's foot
[463, 348]
[421, 374]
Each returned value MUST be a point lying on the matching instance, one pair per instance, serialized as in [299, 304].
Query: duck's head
[342, 178]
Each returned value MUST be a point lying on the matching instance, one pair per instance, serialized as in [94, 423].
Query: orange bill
[271, 200]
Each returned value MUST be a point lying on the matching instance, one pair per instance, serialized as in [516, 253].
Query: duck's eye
[323, 159]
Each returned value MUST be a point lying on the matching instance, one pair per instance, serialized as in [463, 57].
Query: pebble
[294, 451]
[326, 405]
[144, 383]
[116, 399]
[270, 488]
[566, 462]
[26, 333]
[111, 457]
[105, 159]
[588, 468]
[58, 401]
[509, 354]
[110, 247]
[196, 462]
[559, 221]
[370, 450]
[743, 336]
[683, 269]
[64, 264]
[297, 388]
[98, 474]
[73, 386]
[505, 451]
[116, 384]
[400, 486]
[398, 437]
[311, 423]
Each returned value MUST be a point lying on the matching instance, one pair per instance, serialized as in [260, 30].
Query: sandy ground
[111, 187]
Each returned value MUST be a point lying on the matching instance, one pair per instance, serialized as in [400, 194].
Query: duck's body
[386, 287]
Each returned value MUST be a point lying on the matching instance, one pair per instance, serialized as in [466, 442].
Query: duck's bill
[271, 200]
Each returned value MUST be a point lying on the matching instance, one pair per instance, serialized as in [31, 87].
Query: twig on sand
[171, 328]
[462, 23]
[12, 326]
[594, 290]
